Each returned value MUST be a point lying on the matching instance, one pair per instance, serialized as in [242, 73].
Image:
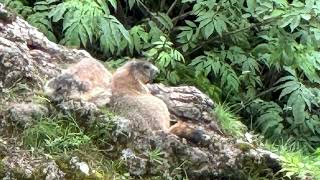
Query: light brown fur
[132, 99]
[87, 80]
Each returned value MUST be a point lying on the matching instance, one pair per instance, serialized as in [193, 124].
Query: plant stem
[202, 44]
[145, 8]
[175, 19]
[250, 100]
[163, 2]
[172, 6]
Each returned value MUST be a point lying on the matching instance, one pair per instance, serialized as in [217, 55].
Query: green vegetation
[62, 138]
[261, 57]
[297, 163]
[55, 135]
[155, 156]
[229, 123]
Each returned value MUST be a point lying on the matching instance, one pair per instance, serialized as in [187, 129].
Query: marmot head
[63, 85]
[142, 71]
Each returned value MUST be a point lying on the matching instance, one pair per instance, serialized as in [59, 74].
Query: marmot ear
[134, 61]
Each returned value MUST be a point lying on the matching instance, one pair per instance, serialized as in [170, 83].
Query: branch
[175, 19]
[163, 2]
[245, 104]
[172, 6]
[180, 16]
[145, 8]
[202, 44]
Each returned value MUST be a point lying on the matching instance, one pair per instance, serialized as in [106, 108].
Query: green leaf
[208, 30]
[131, 3]
[306, 17]
[165, 20]
[251, 5]
[220, 26]
[113, 3]
[286, 21]
[289, 90]
[83, 35]
[58, 12]
[298, 109]
[190, 23]
[295, 22]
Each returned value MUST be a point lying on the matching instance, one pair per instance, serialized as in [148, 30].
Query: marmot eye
[146, 66]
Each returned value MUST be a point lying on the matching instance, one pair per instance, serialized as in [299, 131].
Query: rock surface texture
[28, 59]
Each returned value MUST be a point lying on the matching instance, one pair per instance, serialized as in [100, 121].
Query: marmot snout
[144, 71]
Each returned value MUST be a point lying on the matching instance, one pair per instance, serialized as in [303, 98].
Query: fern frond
[41, 20]
[214, 64]
[79, 20]
[112, 32]
[189, 35]
[139, 38]
[268, 118]
[299, 96]
[18, 7]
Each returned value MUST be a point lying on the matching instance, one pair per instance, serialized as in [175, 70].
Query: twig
[175, 19]
[163, 2]
[250, 100]
[146, 8]
[172, 6]
[228, 34]
[181, 16]
[216, 37]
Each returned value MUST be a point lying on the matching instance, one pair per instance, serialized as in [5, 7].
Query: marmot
[132, 99]
[87, 80]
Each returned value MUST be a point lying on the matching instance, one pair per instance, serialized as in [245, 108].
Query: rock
[19, 164]
[28, 56]
[24, 114]
[135, 164]
[221, 158]
[52, 171]
[185, 102]
[82, 166]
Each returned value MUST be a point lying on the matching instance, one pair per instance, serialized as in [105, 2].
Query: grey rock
[21, 164]
[52, 171]
[24, 114]
[135, 164]
[79, 165]
[185, 102]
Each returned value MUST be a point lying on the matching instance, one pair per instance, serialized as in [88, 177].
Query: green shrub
[297, 164]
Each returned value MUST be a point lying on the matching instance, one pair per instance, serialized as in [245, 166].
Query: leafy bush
[259, 56]
[297, 164]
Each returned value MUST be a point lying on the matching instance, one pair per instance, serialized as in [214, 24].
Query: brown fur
[132, 99]
[88, 80]
[94, 74]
